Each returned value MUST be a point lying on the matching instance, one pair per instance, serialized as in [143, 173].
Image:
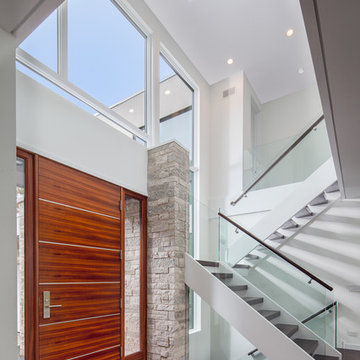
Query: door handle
[47, 306]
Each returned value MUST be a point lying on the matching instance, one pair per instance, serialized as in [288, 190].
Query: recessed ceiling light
[230, 61]
[131, 110]
[301, 71]
[290, 32]
[167, 92]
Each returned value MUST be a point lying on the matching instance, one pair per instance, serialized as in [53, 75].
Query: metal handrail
[305, 321]
[319, 312]
[288, 260]
[294, 144]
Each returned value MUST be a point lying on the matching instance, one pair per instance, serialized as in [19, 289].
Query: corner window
[177, 123]
[176, 108]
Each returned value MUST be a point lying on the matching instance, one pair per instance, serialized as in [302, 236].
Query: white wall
[232, 139]
[250, 98]
[51, 126]
[226, 138]
[275, 127]
[226, 342]
[8, 197]
[330, 248]
[287, 116]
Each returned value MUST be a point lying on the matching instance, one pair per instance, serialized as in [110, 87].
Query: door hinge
[120, 351]
[120, 205]
[120, 254]
[120, 303]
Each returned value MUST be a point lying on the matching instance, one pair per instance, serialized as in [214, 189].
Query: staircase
[292, 226]
[259, 291]
[254, 314]
[308, 212]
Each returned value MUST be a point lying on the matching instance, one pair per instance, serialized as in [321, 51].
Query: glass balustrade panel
[274, 276]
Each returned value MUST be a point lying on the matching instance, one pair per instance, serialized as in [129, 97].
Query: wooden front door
[78, 246]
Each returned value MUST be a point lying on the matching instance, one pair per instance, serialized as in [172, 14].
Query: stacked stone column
[168, 191]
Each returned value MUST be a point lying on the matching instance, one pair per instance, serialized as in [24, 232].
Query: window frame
[60, 77]
[194, 167]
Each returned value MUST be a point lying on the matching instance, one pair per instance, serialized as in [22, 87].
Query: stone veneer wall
[20, 212]
[132, 275]
[168, 191]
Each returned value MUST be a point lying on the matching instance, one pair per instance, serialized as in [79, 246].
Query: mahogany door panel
[62, 224]
[80, 301]
[109, 354]
[63, 263]
[80, 266]
[62, 184]
[61, 341]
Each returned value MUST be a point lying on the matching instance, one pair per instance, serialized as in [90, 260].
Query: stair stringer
[305, 192]
[244, 318]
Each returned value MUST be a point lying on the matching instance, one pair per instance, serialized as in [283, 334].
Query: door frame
[142, 354]
[31, 269]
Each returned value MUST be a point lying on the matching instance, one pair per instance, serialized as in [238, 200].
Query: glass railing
[315, 323]
[293, 163]
[258, 158]
[327, 316]
[292, 287]
[220, 341]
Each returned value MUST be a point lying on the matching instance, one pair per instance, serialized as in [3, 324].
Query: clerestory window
[98, 55]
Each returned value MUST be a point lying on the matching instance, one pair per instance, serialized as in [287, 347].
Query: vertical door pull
[47, 305]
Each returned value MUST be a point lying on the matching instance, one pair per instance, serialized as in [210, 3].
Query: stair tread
[288, 329]
[253, 300]
[208, 263]
[319, 200]
[241, 266]
[252, 257]
[307, 345]
[262, 248]
[304, 212]
[325, 357]
[290, 224]
[270, 314]
[223, 275]
[238, 287]
[332, 188]
[276, 236]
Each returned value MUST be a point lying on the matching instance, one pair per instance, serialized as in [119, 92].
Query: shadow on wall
[330, 248]
[288, 287]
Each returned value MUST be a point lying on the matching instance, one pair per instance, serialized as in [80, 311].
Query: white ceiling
[250, 31]
[13, 13]
[21, 17]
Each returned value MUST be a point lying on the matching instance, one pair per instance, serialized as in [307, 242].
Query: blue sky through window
[165, 69]
[42, 42]
[106, 52]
